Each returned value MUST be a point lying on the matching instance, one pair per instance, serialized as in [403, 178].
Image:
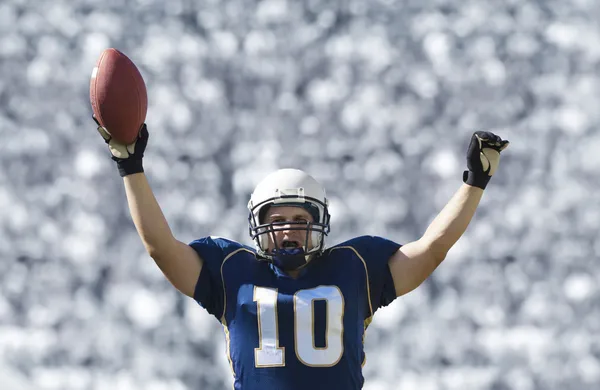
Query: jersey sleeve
[376, 252]
[209, 287]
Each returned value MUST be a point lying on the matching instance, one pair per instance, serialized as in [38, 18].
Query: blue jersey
[303, 333]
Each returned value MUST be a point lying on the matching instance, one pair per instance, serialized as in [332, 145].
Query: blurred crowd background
[377, 100]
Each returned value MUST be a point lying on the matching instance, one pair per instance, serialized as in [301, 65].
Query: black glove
[483, 157]
[128, 157]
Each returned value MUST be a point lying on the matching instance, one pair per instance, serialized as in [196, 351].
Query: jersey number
[270, 354]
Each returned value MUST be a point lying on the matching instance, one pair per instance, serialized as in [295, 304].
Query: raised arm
[414, 262]
[179, 262]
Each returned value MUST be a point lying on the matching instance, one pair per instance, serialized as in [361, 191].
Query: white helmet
[289, 187]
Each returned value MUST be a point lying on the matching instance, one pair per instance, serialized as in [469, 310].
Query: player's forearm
[147, 215]
[451, 223]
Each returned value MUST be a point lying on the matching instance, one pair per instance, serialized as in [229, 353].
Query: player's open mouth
[290, 244]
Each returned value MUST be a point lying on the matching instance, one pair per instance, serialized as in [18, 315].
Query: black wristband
[129, 166]
[475, 180]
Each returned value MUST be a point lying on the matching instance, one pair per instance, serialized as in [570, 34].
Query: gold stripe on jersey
[369, 319]
[223, 320]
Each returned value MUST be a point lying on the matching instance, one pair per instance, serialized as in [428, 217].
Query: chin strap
[289, 259]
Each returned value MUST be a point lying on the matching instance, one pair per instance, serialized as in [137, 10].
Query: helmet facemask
[289, 258]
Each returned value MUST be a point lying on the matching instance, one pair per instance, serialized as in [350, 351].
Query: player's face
[287, 235]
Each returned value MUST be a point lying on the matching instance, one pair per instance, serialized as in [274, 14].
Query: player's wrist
[476, 179]
[129, 166]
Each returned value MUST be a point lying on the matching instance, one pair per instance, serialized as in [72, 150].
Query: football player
[294, 310]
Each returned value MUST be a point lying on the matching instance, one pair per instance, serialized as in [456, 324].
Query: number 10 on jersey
[270, 354]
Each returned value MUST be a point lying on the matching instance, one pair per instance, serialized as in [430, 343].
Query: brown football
[118, 95]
